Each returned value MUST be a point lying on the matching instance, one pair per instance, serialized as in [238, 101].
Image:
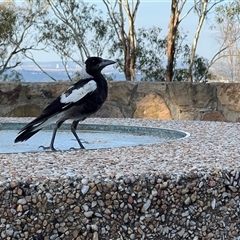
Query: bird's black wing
[76, 93]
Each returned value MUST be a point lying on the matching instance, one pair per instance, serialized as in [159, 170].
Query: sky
[157, 13]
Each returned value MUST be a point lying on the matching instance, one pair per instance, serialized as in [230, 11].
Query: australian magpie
[78, 102]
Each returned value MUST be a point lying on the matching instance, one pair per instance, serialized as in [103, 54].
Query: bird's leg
[52, 140]
[73, 129]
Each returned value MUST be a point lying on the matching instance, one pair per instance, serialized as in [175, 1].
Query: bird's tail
[29, 130]
[24, 135]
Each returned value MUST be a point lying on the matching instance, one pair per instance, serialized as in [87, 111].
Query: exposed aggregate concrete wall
[194, 206]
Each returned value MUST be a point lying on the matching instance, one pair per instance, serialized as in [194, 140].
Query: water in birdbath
[92, 136]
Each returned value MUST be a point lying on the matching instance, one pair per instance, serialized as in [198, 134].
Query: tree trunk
[196, 37]
[171, 44]
[127, 39]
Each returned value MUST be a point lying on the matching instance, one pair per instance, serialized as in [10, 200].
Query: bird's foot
[74, 149]
[47, 148]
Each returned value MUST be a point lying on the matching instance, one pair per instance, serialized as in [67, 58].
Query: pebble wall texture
[186, 189]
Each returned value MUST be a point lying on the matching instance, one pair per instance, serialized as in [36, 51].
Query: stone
[193, 197]
[95, 236]
[9, 232]
[84, 181]
[108, 110]
[19, 191]
[187, 98]
[213, 116]
[121, 92]
[191, 94]
[187, 201]
[77, 209]
[146, 206]
[152, 106]
[9, 92]
[88, 214]
[229, 96]
[14, 184]
[22, 201]
[27, 110]
[19, 208]
[154, 87]
[84, 189]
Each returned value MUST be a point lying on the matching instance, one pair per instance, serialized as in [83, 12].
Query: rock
[9, 92]
[130, 199]
[229, 96]
[95, 236]
[180, 233]
[185, 214]
[19, 208]
[84, 181]
[213, 116]
[187, 201]
[213, 203]
[88, 214]
[108, 110]
[125, 218]
[27, 110]
[49, 196]
[14, 184]
[53, 237]
[146, 206]
[22, 201]
[152, 106]
[153, 87]
[121, 92]
[77, 209]
[84, 189]
[187, 98]
[193, 197]
[9, 232]
[191, 94]
[94, 227]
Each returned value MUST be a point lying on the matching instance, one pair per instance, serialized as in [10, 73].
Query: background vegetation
[76, 29]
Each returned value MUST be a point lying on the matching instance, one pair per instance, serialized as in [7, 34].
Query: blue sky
[157, 13]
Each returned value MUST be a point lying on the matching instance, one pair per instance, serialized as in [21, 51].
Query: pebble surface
[211, 145]
[184, 189]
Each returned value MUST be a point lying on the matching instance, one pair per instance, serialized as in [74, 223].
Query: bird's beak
[105, 63]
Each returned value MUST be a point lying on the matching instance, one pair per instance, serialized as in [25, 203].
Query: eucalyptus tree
[74, 30]
[124, 42]
[16, 34]
[226, 62]
[178, 13]
[202, 9]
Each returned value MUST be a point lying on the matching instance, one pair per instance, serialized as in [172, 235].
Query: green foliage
[230, 10]
[78, 29]
[7, 19]
[16, 35]
[74, 29]
[150, 54]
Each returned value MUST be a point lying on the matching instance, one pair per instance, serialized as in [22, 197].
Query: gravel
[211, 145]
[181, 189]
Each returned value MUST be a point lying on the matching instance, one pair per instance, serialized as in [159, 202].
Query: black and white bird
[78, 102]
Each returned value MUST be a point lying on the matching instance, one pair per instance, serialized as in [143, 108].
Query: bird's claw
[75, 149]
[47, 148]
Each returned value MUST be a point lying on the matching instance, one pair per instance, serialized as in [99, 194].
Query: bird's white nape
[84, 74]
[78, 93]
